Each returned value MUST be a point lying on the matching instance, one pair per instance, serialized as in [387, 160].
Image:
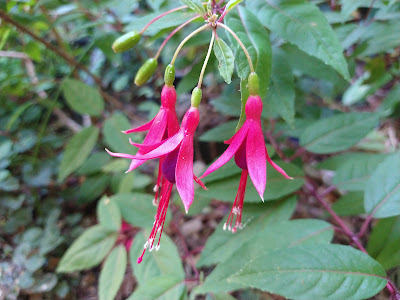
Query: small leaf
[384, 242]
[196, 6]
[337, 133]
[114, 138]
[108, 214]
[77, 151]
[225, 58]
[256, 40]
[231, 4]
[382, 193]
[314, 272]
[88, 250]
[301, 23]
[112, 273]
[82, 98]
[138, 209]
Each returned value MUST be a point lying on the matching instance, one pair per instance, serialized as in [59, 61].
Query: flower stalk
[203, 69]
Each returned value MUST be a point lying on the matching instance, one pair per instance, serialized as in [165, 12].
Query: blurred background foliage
[65, 96]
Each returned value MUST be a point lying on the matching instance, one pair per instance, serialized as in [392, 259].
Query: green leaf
[112, 273]
[281, 93]
[391, 101]
[77, 151]
[219, 133]
[222, 244]
[114, 138]
[314, 272]
[351, 204]
[92, 188]
[382, 194]
[161, 270]
[256, 40]
[277, 185]
[196, 6]
[82, 98]
[138, 209]
[301, 23]
[231, 4]
[225, 58]
[280, 235]
[244, 95]
[108, 214]
[354, 173]
[337, 133]
[384, 242]
[163, 287]
[94, 163]
[88, 250]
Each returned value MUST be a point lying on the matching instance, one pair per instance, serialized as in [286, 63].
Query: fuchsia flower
[177, 167]
[248, 147]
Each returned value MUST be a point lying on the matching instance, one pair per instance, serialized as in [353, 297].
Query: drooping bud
[126, 42]
[169, 76]
[253, 84]
[196, 97]
[146, 71]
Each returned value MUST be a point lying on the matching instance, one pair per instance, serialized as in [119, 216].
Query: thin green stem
[185, 40]
[203, 69]
[240, 43]
[172, 34]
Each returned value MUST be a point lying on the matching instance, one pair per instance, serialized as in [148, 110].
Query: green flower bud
[146, 71]
[126, 42]
[196, 97]
[169, 76]
[253, 84]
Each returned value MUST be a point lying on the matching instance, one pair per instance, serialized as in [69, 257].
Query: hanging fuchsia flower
[251, 155]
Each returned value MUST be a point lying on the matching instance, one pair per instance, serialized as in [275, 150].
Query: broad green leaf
[351, 204]
[225, 58]
[256, 40]
[17, 113]
[337, 133]
[354, 173]
[94, 163]
[155, 268]
[82, 98]
[222, 244]
[391, 102]
[77, 151]
[314, 272]
[164, 287]
[155, 4]
[166, 261]
[219, 133]
[281, 93]
[384, 242]
[112, 273]
[196, 6]
[301, 23]
[137, 209]
[108, 214]
[277, 185]
[88, 250]
[92, 188]
[382, 194]
[267, 237]
[114, 138]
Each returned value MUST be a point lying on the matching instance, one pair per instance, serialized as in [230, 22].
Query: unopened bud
[146, 71]
[126, 42]
[196, 97]
[169, 76]
[253, 84]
